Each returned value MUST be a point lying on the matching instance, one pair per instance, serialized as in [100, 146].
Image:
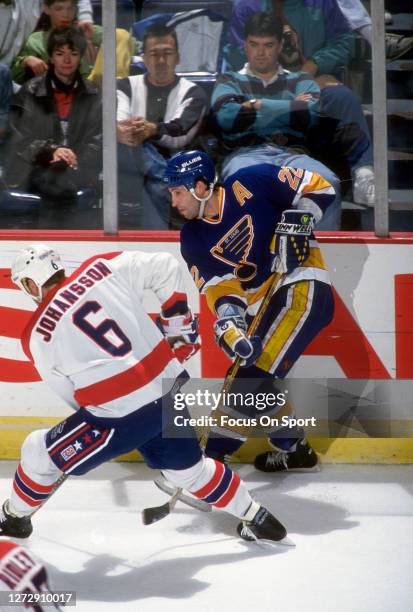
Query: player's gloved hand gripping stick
[154, 514]
[181, 331]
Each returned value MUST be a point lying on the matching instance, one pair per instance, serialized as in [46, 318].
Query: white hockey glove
[291, 244]
[230, 334]
[181, 332]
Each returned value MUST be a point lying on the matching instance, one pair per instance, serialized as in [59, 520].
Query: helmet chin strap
[202, 201]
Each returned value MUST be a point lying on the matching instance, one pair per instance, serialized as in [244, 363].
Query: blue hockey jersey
[230, 254]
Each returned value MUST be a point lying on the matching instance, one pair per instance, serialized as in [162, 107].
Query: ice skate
[12, 525]
[300, 458]
[263, 527]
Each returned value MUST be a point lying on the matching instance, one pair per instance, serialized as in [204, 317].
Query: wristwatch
[252, 102]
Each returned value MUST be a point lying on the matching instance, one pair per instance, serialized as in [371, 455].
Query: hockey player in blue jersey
[236, 237]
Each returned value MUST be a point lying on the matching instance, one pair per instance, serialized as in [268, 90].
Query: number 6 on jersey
[99, 333]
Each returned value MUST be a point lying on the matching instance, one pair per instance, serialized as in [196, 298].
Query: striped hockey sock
[223, 488]
[28, 495]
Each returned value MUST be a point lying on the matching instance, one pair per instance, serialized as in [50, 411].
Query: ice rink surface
[352, 526]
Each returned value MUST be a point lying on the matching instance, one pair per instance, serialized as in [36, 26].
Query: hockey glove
[182, 334]
[291, 245]
[230, 334]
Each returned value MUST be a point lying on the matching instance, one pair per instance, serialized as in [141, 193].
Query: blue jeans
[156, 197]
[141, 172]
[355, 13]
[279, 156]
[6, 91]
[351, 133]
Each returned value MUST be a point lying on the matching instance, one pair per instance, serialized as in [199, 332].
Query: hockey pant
[294, 317]
[82, 442]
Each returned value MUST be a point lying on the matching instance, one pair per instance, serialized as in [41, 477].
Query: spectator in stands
[158, 114]
[359, 21]
[262, 112]
[18, 19]
[33, 58]
[56, 125]
[318, 40]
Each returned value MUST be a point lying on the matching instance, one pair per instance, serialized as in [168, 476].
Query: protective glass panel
[399, 70]
[50, 115]
[245, 100]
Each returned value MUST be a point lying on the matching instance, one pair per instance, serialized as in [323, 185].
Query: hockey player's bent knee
[187, 479]
[35, 459]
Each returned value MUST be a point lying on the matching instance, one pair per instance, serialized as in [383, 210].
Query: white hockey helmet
[38, 262]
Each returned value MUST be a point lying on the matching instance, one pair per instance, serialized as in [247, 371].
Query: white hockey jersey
[92, 340]
[21, 575]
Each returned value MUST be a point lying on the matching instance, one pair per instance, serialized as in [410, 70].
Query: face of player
[184, 202]
[62, 13]
[262, 54]
[65, 61]
[161, 58]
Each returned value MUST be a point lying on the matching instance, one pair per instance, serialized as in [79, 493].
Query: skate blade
[285, 542]
[264, 543]
[315, 468]
[303, 470]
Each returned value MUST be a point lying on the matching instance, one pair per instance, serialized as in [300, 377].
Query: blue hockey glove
[291, 246]
[181, 332]
[230, 334]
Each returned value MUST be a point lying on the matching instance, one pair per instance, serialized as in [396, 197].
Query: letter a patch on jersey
[234, 247]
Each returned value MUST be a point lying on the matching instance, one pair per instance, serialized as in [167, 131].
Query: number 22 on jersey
[292, 175]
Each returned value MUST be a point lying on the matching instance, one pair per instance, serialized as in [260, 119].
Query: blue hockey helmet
[187, 167]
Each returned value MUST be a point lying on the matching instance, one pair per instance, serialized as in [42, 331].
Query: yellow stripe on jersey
[315, 259]
[285, 327]
[259, 293]
[316, 184]
[233, 286]
[225, 287]
[217, 218]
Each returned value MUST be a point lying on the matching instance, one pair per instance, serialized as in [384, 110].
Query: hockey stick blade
[157, 513]
[153, 515]
[164, 486]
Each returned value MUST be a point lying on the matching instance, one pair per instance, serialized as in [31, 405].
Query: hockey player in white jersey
[24, 581]
[94, 344]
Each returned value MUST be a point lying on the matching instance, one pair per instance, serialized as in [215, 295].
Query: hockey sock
[28, 494]
[215, 484]
[285, 444]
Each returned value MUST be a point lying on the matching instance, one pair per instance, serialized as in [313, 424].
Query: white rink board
[362, 273]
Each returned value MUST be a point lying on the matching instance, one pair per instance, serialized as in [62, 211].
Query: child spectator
[33, 58]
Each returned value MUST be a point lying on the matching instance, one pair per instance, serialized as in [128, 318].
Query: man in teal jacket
[317, 40]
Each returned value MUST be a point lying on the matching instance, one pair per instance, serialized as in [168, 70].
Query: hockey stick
[56, 486]
[156, 513]
[198, 504]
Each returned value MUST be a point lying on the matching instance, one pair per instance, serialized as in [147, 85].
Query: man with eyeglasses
[158, 114]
